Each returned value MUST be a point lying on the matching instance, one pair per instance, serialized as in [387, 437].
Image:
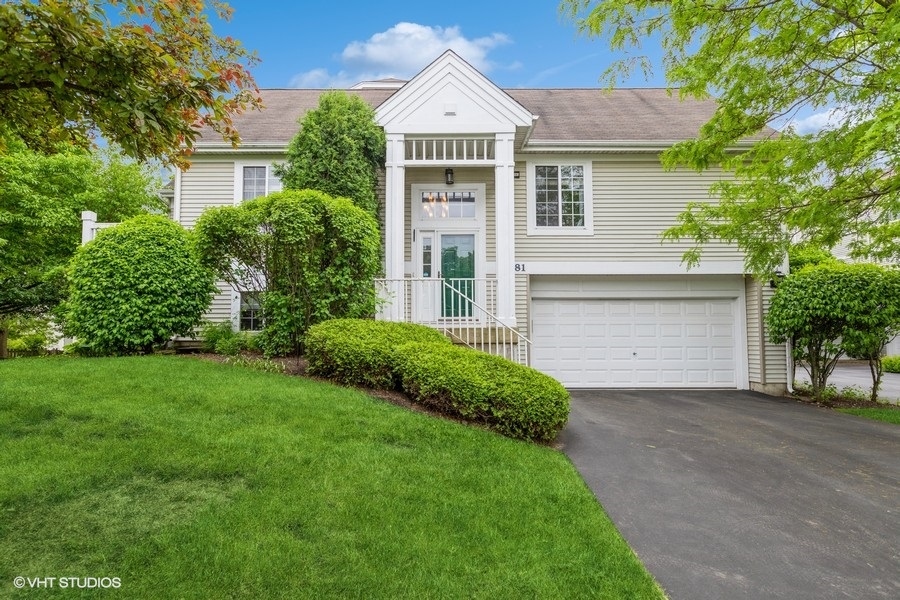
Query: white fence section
[463, 309]
[450, 150]
[90, 226]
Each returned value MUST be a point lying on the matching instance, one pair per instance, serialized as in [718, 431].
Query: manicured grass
[189, 479]
[888, 415]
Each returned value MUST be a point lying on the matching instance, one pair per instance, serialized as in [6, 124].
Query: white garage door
[665, 342]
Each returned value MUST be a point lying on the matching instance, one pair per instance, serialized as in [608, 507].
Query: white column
[88, 223]
[394, 209]
[505, 227]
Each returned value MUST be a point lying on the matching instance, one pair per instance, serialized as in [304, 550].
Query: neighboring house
[536, 211]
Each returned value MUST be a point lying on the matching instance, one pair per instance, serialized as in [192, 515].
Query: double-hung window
[559, 198]
[258, 180]
[251, 317]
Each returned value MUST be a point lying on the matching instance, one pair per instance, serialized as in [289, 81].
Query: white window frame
[259, 319]
[476, 225]
[239, 166]
[531, 196]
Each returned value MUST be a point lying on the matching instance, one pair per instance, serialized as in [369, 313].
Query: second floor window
[559, 196]
[259, 181]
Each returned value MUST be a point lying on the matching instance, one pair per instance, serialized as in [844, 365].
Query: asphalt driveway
[727, 494]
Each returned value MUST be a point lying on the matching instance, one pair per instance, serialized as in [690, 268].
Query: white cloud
[816, 122]
[401, 51]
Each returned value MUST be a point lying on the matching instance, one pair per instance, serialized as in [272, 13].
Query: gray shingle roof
[279, 121]
[565, 115]
[596, 115]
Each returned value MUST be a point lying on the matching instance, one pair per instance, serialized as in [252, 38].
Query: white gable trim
[449, 72]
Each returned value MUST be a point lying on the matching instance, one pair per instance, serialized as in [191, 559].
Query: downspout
[762, 334]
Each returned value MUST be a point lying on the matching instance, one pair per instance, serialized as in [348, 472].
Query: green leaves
[831, 309]
[339, 150]
[313, 256]
[41, 199]
[135, 286]
[149, 82]
[769, 62]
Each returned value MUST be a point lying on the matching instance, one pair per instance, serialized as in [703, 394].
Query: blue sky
[517, 44]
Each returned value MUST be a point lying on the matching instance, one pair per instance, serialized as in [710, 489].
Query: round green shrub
[212, 333]
[135, 286]
[230, 346]
[361, 351]
[891, 364]
[509, 398]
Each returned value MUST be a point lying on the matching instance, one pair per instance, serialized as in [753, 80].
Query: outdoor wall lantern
[448, 176]
[773, 283]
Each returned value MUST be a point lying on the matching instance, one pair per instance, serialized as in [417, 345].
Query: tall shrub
[831, 309]
[312, 256]
[135, 286]
[339, 150]
[873, 315]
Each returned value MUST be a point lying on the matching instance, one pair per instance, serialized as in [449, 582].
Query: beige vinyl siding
[767, 362]
[210, 182]
[461, 176]
[522, 296]
[220, 308]
[207, 183]
[634, 201]
[754, 341]
[776, 354]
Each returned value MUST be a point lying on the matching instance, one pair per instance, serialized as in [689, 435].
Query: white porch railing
[450, 150]
[463, 309]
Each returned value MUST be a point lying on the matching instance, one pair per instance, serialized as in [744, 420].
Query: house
[528, 220]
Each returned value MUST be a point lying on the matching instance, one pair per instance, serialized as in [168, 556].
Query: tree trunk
[877, 372]
[4, 337]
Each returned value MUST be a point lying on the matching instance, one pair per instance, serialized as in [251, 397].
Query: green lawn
[888, 415]
[190, 479]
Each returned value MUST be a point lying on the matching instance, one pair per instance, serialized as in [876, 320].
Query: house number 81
[520, 267]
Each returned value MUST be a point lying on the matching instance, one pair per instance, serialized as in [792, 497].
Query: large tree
[339, 150]
[145, 74]
[768, 61]
[41, 199]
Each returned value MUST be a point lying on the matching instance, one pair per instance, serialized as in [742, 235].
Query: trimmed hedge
[361, 351]
[509, 398]
[891, 364]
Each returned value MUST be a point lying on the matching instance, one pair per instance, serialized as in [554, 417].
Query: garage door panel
[636, 343]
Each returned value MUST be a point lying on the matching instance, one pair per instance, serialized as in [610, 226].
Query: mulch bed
[845, 403]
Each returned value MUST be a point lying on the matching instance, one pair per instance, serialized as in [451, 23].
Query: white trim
[235, 310]
[533, 146]
[176, 197]
[504, 227]
[239, 176]
[741, 344]
[504, 112]
[534, 267]
[394, 220]
[530, 194]
[737, 295]
[247, 148]
[476, 225]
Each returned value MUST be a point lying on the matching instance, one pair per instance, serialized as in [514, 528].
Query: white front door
[448, 251]
[446, 285]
